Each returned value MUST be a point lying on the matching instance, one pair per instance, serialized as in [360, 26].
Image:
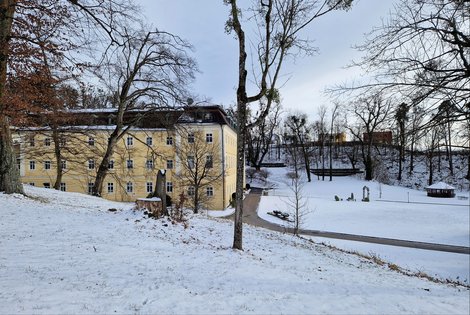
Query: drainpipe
[223, 164]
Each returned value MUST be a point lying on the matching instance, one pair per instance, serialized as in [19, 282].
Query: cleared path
[251, 217]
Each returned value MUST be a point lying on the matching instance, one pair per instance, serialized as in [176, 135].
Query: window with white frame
[190, 161]
[110, 188]
[32, 184]
[169, 140]
[47, 165]
[63, 164]
[209, 191]
[130, 141]
[91, 141]
[169, 187]
[31, 141]
[191, 191]
[191, 138]
[209, 137]
[149, 141]
[46, 185]
[47, 142]
[149, 164]
[91, 164]
[32, 165]
[90, 188]
[63, 187]
[169, 164]
[149, 187]
[110, 164]
[130, 164]
[129, 187]
[62, 142]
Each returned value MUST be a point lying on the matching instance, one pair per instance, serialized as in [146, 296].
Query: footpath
[250, 216]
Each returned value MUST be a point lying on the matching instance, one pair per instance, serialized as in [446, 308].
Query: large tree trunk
[58, 158]
[9, 174]
[103, 168]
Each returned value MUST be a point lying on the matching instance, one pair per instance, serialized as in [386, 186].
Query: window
[169, 140]
[209, 161]
[191, 138]
[191, 191]
[149, 141]
[90, 188]
[32, 165]
[130, 141]
[32, 184]
[91, 141]
[47, 165]
[169, 187]
[209, 191]
[46, 185]
[149, 187]
[190, 161]
[91, 164]
[169, 164]
[149, 164]
[110, 164]
[129, 187]
[31, 141]
[110, 188]
[18, 163]
[63, 187]
[209, 137]
[63, 164]
[62, 142]
[130, 164]
[47, 142]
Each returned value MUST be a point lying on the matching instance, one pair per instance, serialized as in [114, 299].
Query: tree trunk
[9, 174]
[58, 158]
[103, 168]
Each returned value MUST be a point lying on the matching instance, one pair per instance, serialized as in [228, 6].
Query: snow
[393, 212]
[440, 185]
[66, 253]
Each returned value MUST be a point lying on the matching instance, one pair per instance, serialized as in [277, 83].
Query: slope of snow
[393, 212]
[65, 253]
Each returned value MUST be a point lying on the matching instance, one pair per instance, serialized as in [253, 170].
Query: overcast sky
[201, 22]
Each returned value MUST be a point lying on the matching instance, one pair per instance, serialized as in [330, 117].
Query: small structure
[365, 194]
[154, 206]
[441, 190]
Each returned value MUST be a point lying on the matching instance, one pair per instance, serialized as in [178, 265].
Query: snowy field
[66, 253]
[388, 214]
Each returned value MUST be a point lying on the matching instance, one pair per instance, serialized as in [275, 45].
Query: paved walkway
[250, 216]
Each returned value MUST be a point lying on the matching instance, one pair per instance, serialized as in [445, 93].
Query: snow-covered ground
[393, 212]
[66, 253]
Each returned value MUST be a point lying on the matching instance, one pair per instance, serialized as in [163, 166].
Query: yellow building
[157, 140]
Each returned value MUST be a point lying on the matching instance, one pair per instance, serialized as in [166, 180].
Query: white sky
[202, 22]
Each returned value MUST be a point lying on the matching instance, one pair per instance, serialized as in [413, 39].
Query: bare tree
[261, 136]
[423, 49]
[200, 166]
[370, 113]
[401, 116]
[323, 136]
[76, 23]
[334, 114]
[296, 202]
[297, 135]
[279, 25]
[149, 70]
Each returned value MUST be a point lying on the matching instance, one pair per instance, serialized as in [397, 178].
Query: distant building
[338, 138]
[378, 137]
[150, 145]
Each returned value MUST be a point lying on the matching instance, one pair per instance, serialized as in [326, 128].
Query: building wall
[78, 154]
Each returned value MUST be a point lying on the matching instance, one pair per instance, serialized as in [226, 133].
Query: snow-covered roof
[440, 185]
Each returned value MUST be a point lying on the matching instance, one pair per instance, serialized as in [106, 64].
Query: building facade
[170, 140]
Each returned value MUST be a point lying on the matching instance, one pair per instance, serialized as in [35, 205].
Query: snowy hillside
[66, 253]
